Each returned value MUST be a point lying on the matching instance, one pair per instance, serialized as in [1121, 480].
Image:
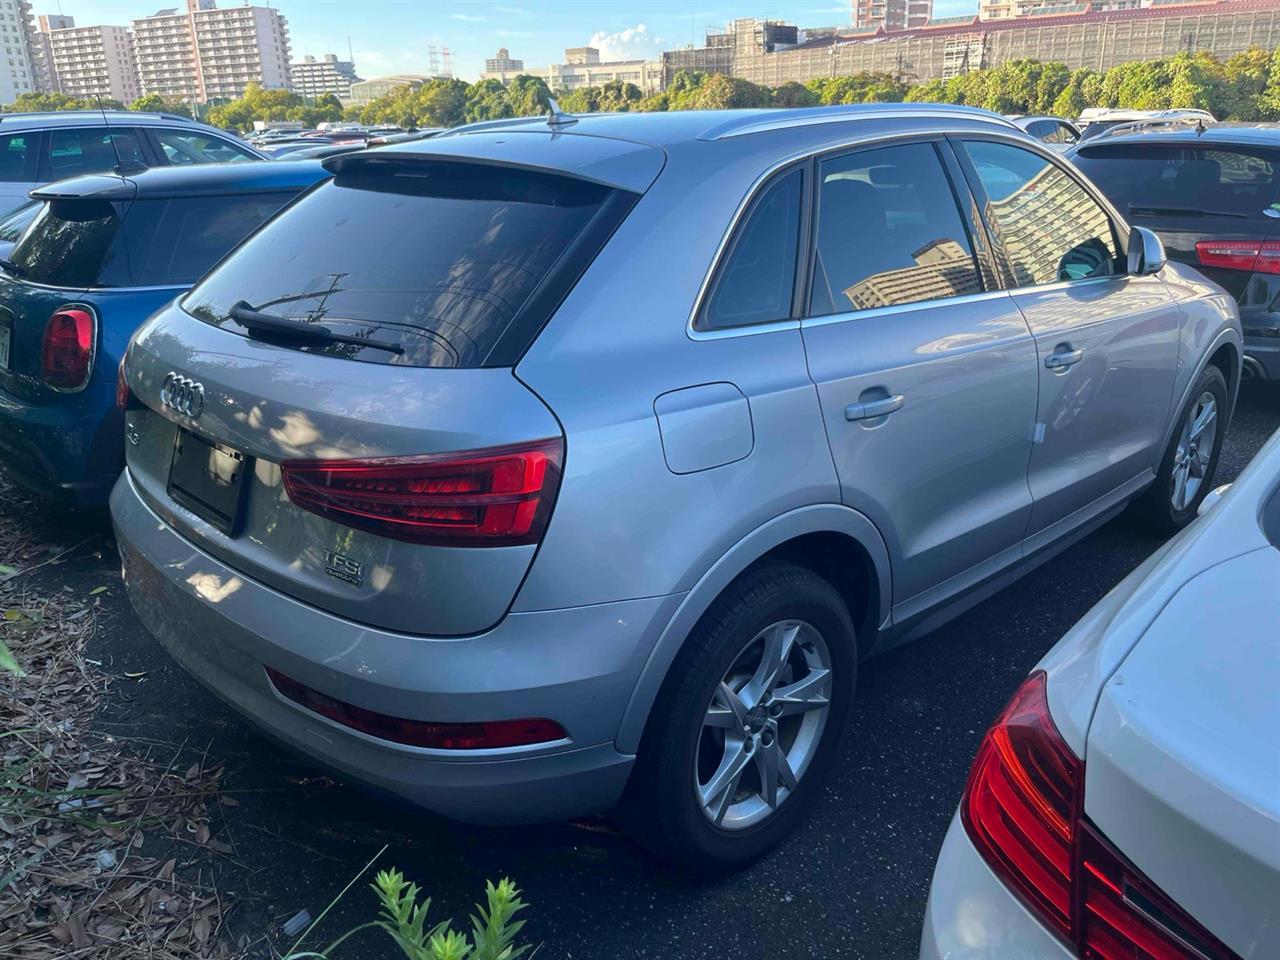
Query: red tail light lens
[498, 496]
[1021, 801]
[1023, 810]
[66, 355]
[480, 735]
[1257, 256]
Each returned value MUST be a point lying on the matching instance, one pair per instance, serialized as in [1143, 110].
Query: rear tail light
[498, 496]
[1257, 256]
[1023, 811]
[66, 354]
[478, 735]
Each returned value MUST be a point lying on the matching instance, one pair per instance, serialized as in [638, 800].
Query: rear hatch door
[429, 277]
[1214, 194]
[1183, 768]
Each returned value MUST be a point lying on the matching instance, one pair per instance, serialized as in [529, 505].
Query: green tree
[442, 103]
[794, 95]
[528, 96]
[488, 100]
[157, 103]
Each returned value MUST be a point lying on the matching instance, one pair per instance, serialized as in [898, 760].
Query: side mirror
[1146, 252]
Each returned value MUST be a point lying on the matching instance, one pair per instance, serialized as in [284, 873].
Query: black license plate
[209, 480]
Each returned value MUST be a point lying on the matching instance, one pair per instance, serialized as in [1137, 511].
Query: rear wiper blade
[1184, 211]
[255, 321]
[10, 267]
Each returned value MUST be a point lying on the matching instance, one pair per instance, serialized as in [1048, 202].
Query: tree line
[1243, 87]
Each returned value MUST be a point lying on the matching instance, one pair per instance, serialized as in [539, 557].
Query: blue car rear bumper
[70, 446]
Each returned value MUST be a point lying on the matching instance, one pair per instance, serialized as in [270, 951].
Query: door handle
[1061, 359]
[870, 409]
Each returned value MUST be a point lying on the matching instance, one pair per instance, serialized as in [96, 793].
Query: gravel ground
[851, 883]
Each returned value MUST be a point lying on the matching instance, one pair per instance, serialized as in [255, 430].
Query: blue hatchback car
[104, 253]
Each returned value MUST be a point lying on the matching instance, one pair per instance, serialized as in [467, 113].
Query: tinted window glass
[1041, 129]
[1064, 134]
[89, 150]
[756, 281]
[889, 232]
[176, 240]
[1049, 227]
[15, 224]
[15, 157]
[70, 244]
[436, 258]
[188, 146]
[1170, 180]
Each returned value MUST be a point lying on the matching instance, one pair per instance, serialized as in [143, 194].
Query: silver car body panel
[662, 501]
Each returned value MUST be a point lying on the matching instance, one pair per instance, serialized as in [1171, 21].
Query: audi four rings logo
[182, 394]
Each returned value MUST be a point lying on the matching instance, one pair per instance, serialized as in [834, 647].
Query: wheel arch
[1224, 351]
[835, 541]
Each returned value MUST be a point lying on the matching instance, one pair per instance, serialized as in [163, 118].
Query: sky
[393, 36]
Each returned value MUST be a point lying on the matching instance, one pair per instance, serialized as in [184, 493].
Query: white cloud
[633, 43]
[468, 18]
[520, 12]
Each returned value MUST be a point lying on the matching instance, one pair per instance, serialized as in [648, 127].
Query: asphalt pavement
[851, 883]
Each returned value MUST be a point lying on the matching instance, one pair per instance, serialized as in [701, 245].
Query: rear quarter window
[73, 243]
[438, 258]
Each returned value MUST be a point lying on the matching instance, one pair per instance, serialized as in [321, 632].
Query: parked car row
[429, 478]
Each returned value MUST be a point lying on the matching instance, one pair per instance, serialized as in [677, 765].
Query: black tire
[660, 809]
[1155, 508]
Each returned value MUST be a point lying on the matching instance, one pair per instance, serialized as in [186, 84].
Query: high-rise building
[95, 62]
[17, 35]
[43, 74]
[204, 53]
[502, 63]
[891, 14]
[313, 78]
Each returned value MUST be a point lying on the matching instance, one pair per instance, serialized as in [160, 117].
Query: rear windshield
[174, 241]
[151, 242]
[1172, 180]
[70, 244]
[432, 260]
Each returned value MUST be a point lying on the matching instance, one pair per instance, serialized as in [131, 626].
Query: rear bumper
[70, 450]
[576, 666]
[973, 916]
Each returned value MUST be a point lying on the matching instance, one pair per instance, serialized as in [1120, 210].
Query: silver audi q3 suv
[567, 465]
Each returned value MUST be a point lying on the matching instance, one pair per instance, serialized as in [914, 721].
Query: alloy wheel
[1195, 451]
[763, 725]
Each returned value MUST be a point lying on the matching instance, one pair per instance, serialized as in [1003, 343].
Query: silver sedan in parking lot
[563, 465]
[1127, 801]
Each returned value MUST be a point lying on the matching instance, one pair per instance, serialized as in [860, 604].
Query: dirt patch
[108, 847]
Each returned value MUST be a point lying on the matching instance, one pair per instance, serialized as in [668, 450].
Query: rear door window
[17, 157]
[78, 150]
[176, 240]
[436, 259]
[889, 232]
[73, 243]
[1153, 180]
[756, 282]
[182, 147]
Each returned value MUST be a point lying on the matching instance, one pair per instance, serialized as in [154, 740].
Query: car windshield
[1171, 179]
[437, 258]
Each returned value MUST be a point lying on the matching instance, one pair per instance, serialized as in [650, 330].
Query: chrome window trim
[852, 316]
[757, 185]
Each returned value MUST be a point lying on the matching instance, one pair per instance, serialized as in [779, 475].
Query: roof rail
[775, 119]
[1152, 123]
[94, 112]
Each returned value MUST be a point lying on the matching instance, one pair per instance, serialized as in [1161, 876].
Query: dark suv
[1213, 196]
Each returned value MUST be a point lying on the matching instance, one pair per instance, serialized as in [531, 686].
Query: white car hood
[1182, 762]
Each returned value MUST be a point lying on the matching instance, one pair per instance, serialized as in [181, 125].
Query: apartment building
[894, 14]
[313, 78]
[95, 62]
[502, 63]
[43, 74]
[17, 38]
[205, 53]
[1004, 9]
[583, 68]
[1079, 36]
